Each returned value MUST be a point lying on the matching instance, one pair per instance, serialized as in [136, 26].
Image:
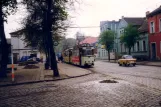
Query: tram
[82, 55]
[67, 55]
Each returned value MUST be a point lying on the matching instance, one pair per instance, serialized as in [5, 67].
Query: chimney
[147, 13]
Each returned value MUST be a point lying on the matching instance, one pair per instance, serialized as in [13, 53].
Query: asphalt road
[148, 76]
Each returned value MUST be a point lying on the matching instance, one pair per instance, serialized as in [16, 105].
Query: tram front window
[87, 52]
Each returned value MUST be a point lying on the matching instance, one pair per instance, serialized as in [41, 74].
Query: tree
[68, 43]
[107, 38]
[130, 37]
[7, 7]
[34, 24]
[44, 25]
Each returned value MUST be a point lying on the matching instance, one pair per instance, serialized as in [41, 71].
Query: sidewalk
[26, 76]
[146, 63]
[149, 63]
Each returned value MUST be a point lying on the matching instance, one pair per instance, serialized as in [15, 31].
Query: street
[131, 89]
[148, 76]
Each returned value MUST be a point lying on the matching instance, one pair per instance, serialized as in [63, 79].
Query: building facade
[19, 48]
[154, 26]
[140, 49]
[108, 25]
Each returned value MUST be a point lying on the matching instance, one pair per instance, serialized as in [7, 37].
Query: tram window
[75, 53]
[87, 52]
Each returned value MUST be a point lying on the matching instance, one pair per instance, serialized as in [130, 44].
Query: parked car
[127, 60]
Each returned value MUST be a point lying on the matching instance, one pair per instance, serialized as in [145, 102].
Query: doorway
[153, 51]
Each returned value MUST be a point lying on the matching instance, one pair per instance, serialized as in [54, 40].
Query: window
[144, 46]
[104, 52]
[133, 49]
[160, 46]
[121, 47]
[99, 54]
[87, 52]
[152, 29]
[160, 25]
[122, 31]
[138, 49]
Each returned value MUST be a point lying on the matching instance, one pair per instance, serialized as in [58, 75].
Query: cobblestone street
[84, 91]
[148, 76]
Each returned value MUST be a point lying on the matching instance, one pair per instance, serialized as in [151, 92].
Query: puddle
[108, 81]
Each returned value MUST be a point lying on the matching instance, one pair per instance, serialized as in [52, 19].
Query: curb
[32, 82]
[149, 65]
[138, 64]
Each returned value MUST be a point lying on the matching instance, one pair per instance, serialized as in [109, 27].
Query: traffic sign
[56, 43]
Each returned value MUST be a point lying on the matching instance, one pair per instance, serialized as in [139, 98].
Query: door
[153, 47]
[15, 58]
[80, 57]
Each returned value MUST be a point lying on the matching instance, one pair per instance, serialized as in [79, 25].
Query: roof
[144, 27]
[137, 21]
[89, 40]
[156, 11]
[16, 33]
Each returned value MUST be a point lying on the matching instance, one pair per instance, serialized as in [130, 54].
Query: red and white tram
[82, 55]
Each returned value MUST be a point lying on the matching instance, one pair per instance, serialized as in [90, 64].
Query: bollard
[13, 75]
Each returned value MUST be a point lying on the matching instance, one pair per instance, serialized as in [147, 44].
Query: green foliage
[130, 36]
[34, 24]
[107, 38]
[8, 7]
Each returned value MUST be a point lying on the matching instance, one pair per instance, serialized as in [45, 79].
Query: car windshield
[128, 57]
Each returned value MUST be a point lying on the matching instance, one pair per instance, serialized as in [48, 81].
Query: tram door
[70, 56]
[80, 57]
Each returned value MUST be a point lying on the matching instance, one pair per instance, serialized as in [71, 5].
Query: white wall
[19, 47]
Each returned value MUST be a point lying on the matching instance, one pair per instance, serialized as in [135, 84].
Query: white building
[107, 25]
[19, 47]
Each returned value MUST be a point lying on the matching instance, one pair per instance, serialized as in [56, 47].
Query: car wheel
[120, 64]
[124, 64]
[134, 64]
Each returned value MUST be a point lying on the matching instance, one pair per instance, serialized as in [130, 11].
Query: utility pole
[50, 39]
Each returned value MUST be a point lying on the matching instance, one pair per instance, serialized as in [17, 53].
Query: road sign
[56, 43]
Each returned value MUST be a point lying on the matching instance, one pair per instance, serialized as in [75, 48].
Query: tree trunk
[50, 40]
[3, 47]
[130, 51]
[109, 55]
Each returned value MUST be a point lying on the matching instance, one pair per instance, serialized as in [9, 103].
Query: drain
[108, 81]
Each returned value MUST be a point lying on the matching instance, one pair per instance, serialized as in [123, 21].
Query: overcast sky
[91, 12]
